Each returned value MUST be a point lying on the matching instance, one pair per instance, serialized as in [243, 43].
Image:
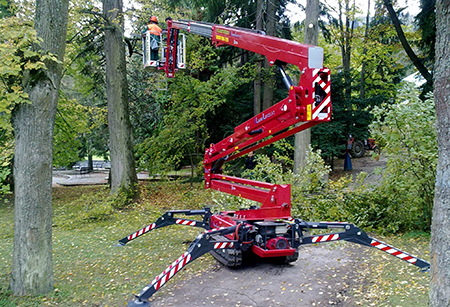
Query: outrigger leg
[168, 219]
[203, 244]
[356, 235]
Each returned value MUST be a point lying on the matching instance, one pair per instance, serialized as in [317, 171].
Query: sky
[296, 14]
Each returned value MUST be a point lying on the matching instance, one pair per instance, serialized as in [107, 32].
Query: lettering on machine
[263, 117]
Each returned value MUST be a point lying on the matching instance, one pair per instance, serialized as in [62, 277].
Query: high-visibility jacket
[154, 29]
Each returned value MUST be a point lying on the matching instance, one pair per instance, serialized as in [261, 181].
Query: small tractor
[267, 230]
[358, 148]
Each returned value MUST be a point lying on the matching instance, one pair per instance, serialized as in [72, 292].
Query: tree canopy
[204, 103]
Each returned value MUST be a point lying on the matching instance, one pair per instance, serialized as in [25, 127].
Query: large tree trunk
[269, 83]
[123, 172]
[303, 138]
[440, 228]
[257, 83]
[362, 92]
[32, 270]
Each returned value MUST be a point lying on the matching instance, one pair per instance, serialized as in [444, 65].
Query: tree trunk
[440, 228]
[32, 270]
[401, 36]
[303, 138]
[123, 172]
[362, 92]
[345, 42]
[269, 80]
[257, 82]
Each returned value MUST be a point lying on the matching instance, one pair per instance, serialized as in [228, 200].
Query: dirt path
[364, 164]
[324, 275]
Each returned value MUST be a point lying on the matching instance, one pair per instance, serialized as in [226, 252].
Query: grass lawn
[90, 271]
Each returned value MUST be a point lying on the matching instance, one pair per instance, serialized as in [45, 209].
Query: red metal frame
[303, 108]
[306, 105]
[170, 65]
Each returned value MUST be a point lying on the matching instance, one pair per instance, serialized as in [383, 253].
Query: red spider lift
[267, 230]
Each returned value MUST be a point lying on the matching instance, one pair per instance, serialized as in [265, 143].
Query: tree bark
[32, 269]
[269, 80]
[123, 172]
[257, 84]
[302, 139]
[401, 36]
[362, 92]
[440, 228]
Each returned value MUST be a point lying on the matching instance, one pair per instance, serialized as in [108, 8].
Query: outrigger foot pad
[138, 303]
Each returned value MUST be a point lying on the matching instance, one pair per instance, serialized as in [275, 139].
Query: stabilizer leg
[200, 246]
[168, 219]
[355, 235]
[138, 303]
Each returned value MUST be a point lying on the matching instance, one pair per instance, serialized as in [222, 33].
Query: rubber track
[228, 257]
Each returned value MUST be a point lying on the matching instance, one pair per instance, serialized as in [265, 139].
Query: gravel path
[330, 274]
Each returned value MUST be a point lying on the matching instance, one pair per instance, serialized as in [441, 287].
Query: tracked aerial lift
[267, 230]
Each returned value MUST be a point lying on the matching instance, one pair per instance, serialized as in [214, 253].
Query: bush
[408, 134]
[315, 198]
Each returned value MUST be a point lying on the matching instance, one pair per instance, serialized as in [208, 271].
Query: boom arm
[307, 105]
[276, 50]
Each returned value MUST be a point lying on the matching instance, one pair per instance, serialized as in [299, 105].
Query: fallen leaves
[90, 271]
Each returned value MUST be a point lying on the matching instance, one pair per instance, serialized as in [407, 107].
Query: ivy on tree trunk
[32, 270]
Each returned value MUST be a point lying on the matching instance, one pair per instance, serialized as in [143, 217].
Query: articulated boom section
[306, 105]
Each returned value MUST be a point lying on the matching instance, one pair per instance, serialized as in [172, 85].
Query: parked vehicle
[358, 148]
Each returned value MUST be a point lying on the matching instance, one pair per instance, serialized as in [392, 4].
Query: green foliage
[316, 198]
[70, 121]
[183, 131]
[6, 154]
[20, 57]
[16, 38]
[408, 134]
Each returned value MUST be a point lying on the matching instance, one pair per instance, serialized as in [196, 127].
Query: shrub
[315, 198]
[408, 134]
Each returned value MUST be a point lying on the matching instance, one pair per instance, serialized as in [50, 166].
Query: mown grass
[90, 271]
[394, 283]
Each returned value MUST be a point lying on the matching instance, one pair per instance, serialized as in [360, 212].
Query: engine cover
[277, 243]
